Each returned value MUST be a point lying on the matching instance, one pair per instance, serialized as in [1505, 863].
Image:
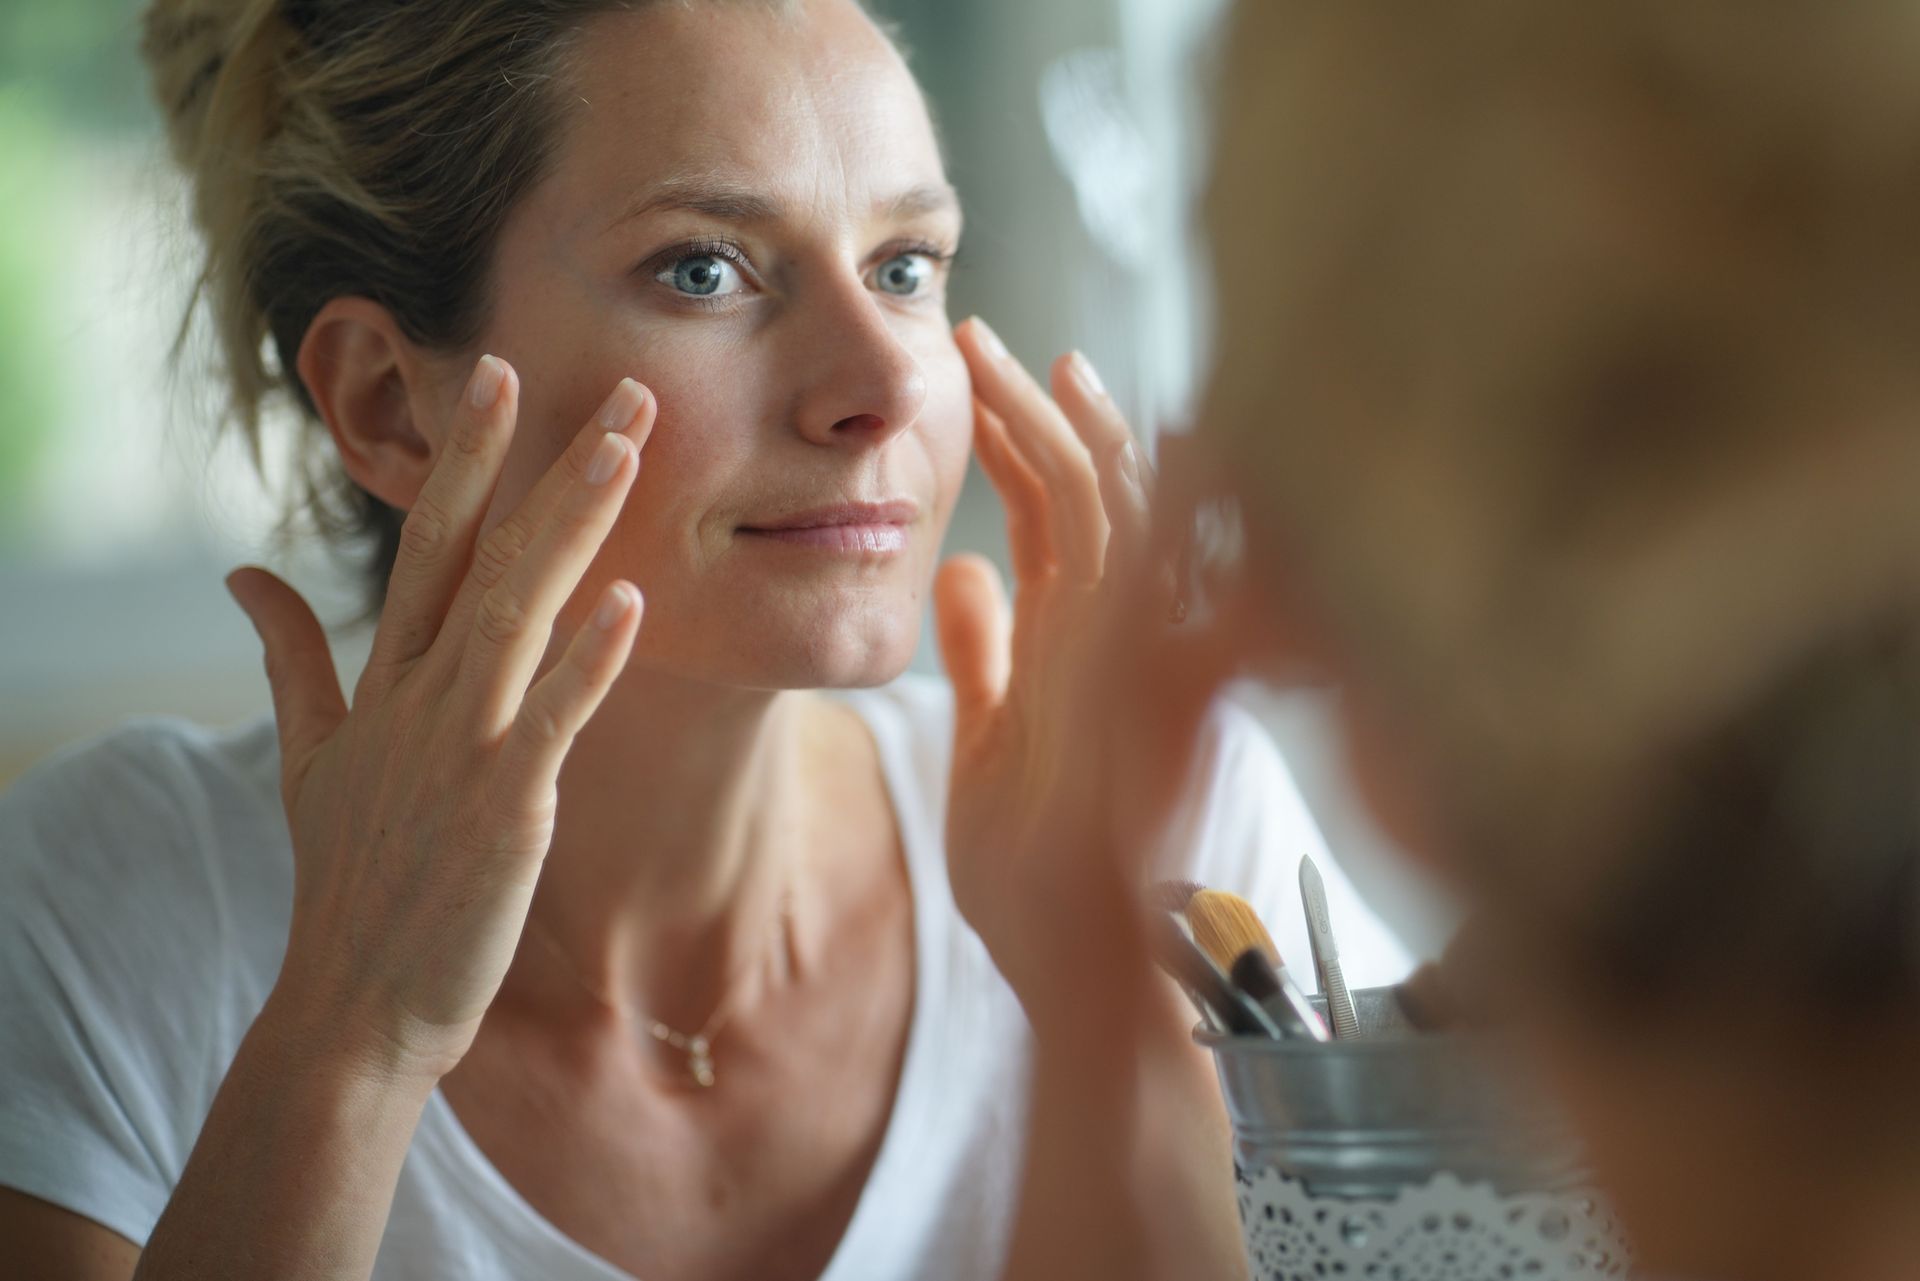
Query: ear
[372, 388]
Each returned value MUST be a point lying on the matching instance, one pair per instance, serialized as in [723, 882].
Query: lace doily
[1441, 1230]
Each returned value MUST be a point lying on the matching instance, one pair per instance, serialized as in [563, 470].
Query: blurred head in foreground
[1567, 372]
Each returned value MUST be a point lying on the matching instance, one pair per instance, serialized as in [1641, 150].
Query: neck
[680, 825]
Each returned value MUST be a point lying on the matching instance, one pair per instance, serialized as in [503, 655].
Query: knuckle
[426, 529]
[541, 720]
[572, 463]
[501, 617]
[502, 822]
[499, 550]
[578, 516]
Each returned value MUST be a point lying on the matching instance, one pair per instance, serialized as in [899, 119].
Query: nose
[860, 385]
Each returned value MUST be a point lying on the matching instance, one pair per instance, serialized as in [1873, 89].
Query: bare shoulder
[44, 1240]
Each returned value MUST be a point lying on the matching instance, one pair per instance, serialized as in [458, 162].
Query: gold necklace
[697, 1046]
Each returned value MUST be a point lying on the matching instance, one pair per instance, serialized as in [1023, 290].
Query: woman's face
[747, 213]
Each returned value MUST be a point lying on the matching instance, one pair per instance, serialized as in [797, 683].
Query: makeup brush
[1224, 1006]
[1170, 898]
[1274, 990]
[1177, 920]
[1225, 925]
[1227, 928]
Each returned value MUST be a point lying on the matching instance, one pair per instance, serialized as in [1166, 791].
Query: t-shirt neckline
[906, 1117]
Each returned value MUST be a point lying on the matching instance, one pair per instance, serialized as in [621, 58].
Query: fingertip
[967, 571]
[969, 613]
[979, 336]
[243, 583]
[1060, 374]
[647, 415]
[619, 600]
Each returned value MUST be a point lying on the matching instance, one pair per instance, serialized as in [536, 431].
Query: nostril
[861, 423]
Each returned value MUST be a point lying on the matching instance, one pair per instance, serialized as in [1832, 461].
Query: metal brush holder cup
[1404, 1157]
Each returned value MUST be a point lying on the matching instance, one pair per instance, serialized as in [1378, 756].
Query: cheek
[701, 389]
[708, 453]
[946, 424]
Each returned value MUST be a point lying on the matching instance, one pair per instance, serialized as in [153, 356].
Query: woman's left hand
[1075, 726]
[1066, 737]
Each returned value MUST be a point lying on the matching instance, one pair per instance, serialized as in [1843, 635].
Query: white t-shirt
[145, 888]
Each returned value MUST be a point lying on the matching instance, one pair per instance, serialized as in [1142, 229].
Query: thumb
[971, 616]
[307, 703]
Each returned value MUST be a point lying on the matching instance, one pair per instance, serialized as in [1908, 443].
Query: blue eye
[905, 275]
[702, 276]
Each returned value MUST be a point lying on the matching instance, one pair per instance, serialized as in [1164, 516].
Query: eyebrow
[730, 203]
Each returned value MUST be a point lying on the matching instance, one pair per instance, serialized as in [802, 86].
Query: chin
[789, 643]
[846, 654]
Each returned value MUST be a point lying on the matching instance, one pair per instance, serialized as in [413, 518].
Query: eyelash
[941, 256]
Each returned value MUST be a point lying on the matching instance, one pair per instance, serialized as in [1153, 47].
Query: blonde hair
[1567, 351]
[353, 147]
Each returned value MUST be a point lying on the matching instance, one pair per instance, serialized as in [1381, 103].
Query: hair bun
[206, 52]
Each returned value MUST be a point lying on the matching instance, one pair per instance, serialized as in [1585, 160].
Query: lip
[896, 512]
[851, 529]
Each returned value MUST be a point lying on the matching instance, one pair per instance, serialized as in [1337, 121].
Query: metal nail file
[1326, 954]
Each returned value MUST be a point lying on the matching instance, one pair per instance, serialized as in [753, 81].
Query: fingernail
[1130, 466]
[989, 340]
[623, 406]
[1088, 377]
[484, 387]
[614, 603]
[607, 456]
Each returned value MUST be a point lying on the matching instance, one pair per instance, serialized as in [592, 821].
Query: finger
[1042, 435]
[1022, 496]
[629, 410]
[436, 539]
[1094, 417]
[307, 703]
[512, 620]
[971, 617]
[562, 702]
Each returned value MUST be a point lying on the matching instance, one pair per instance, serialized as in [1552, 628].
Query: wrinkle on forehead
[813, 109]
[732, 199]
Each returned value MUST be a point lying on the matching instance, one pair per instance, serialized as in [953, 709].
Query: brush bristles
[1225, 925]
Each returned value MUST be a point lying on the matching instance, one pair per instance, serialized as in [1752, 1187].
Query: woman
[580, 947]
[1570, 399]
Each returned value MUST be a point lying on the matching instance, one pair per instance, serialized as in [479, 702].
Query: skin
[699, 791]
[532, 838]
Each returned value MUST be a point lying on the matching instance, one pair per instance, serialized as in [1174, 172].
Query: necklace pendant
[700, 1061]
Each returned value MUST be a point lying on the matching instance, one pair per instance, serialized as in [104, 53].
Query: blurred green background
[70, 90]
[118, 516]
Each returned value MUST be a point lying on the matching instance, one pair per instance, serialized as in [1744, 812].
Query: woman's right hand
[421, 817]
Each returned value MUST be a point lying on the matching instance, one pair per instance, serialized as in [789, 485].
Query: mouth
[847, 529]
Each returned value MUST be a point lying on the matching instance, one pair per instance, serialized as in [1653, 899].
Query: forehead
[807, 103]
